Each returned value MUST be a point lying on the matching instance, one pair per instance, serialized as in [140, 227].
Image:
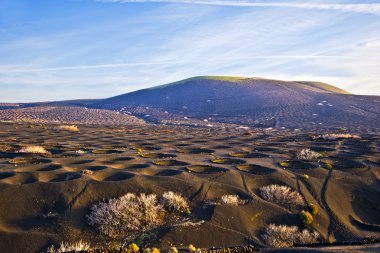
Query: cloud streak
[120, 48]
[369, 8]
[27, 69]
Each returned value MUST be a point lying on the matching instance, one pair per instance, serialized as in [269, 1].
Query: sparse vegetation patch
[282, 236]
[306, 217]
[282, 195]
[233, 200]
[132, 215]
[127, 215]
[334, 137]
[64, 247]
[175, 201]
[34, 150]
[308, 154]
[71, 128]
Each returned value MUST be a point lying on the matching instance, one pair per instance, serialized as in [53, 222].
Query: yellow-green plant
[328, 165]
[313, 209]
[173, 250]
[155, 250]
[306, 217]
[284, 164]
[133, 247]
[192, 248]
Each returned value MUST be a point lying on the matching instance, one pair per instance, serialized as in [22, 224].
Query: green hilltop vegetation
[324, 86]
[238, 79]
[232, 79]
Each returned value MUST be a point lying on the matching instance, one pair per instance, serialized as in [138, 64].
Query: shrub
[308, 154]
[173, 250]
[70, 247]
[71, 128]
[133, 247]
[34, 150]
[192, 248]
[284, 164]
[175, 202]
[233, 200]
[6, 148]
[127, 215]
[328, 165]
[86, 172]
[313, 209]
[306, 217]
[149, 250]
[282, 236]
[281, 194]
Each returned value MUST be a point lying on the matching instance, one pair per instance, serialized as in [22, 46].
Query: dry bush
[86, 172]
[34, 150]
[282, 236]
[71, 128]
[175, 201]
[334, 137]
[233, 200]
[70, 247]
[308, 154]
[281, 194]
[6, 148]
[127, 215]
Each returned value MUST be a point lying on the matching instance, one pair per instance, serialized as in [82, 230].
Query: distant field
[66, 115]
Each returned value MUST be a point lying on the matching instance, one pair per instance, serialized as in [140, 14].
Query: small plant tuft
[192, 248]
[133, 247]
[308, 154]
[306, 217]
[282, 236]
[173, 250]
[233, 200]
[79, 246]
[281, 194]
[313, 208]
[175, 202]
[328, 165]
[70, 128]
[34, 150]
[127, 215]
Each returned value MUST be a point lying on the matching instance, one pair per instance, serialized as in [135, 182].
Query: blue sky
[67, 49]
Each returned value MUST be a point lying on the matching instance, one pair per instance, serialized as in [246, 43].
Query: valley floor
[45, 197]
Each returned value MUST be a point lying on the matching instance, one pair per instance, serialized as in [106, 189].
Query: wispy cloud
[30, 69]
[371, 8]
[118, 48]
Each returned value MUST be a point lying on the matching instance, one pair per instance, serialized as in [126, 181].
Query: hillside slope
[252, 101]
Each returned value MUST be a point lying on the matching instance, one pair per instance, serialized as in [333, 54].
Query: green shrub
[306, 217]
[328, 165]
[313, 209]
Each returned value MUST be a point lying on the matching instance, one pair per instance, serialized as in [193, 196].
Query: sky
[71, 49]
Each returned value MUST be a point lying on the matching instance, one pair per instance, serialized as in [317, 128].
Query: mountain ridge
[253, 101]
[250, 101]
[234, 79]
